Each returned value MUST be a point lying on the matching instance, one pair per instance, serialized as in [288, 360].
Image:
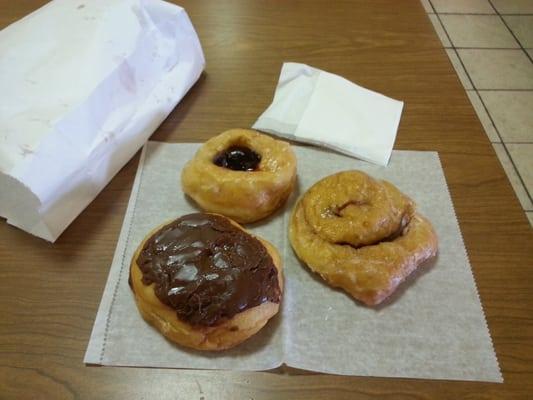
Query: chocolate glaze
[238, 158]
[207, 269]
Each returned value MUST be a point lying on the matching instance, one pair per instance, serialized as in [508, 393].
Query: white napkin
[84, 83]
[317, 107]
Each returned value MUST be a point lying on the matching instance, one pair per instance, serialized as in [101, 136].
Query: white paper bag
[324, 109]
[84, 83]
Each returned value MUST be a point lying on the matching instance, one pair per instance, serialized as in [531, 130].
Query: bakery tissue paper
[432, 327]
[84, 83]
[324, 109]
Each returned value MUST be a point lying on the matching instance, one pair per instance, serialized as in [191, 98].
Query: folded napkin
[317, 107]
[85, 84]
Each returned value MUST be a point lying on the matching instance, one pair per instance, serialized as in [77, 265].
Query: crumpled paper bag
[84, 84]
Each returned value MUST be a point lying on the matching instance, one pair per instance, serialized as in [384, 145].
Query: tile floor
[490, 45]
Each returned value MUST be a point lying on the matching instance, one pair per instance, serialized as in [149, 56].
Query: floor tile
[522, 27]
[459, 69]
[530, 52]
[513, 6]
[530, 217]
[519, 189]
[427, 6]
[478, 31]
[522, 156]
[462, 6]
[498, 69]
[440, 31]
[483, 116]
[512, 112]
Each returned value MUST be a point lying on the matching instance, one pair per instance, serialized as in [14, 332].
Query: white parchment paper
[432, 327]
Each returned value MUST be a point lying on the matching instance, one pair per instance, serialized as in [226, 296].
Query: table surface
[49, 293]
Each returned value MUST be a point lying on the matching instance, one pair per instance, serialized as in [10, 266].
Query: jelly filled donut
[242, 174]
[206, 283]
[360, 234]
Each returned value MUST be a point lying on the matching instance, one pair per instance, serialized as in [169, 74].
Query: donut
[360, 234]
[242, 174]
[206, 283]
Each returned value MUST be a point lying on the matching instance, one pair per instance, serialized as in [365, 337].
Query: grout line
[502, 142]
[511, 31]
[432, 7]
[458, 13]
[505, 90]
[454, 49]
[439, 30]
[483, 103]
[487, 48]
[517, 170]
[443, 27]
[495, 14]
[490, 118]
[465, 80]
[464, 66]
[507, 152]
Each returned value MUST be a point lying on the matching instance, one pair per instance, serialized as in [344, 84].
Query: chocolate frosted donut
[206, 283]
[207, 269]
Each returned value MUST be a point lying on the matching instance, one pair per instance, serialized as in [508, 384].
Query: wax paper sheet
[432, 327]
